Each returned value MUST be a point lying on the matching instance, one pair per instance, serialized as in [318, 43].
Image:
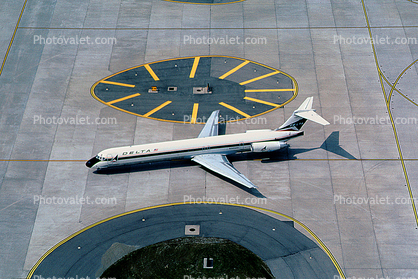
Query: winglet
[211, 126]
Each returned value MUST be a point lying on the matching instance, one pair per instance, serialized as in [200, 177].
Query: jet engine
[267, 146]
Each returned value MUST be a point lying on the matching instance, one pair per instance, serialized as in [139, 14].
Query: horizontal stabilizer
[219, 164]
[303, 113]
[313, 116]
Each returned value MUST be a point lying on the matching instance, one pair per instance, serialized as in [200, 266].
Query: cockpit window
[92, 161]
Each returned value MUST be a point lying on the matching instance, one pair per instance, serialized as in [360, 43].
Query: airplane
[209, 149]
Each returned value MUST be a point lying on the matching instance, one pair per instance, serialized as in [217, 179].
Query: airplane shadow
[331, 144]
[141, 167]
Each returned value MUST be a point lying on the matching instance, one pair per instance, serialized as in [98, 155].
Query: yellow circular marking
[318, 240]
[147, 65]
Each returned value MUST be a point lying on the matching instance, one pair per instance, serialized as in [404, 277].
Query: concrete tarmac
[363, 209]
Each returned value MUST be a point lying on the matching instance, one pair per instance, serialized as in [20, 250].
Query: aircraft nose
[89, 164]
[92, 162]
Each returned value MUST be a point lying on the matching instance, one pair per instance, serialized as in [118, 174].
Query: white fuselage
[187, 148]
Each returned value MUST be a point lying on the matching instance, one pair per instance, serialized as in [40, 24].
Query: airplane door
[110, 159]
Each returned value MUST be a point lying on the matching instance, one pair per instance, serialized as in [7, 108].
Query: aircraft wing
[211, 126]
[219, 163]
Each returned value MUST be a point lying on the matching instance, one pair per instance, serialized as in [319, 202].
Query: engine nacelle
[267, 146]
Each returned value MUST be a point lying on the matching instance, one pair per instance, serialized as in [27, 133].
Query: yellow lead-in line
[234, 109]
[13, 37]
[123, 99]
[262, 102]
[117, 83]
[194, 113]
[258, 78]
[270, 90]
[389, 111]
[234, 69]
[194, 68]
[157, 108]
[151, 72]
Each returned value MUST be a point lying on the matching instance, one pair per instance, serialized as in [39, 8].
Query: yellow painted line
[151, 72]
[270, 90]
[234, 69]
[397, 90]
[261, 101]
[306, 228]
[387, 101]
[123, 99]
[194, 113]
[235, 109]
[393, 86]
[157, 108]
[408, 99]
[194, 68]
[13, 37]
[117, 83]
[258, 78]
